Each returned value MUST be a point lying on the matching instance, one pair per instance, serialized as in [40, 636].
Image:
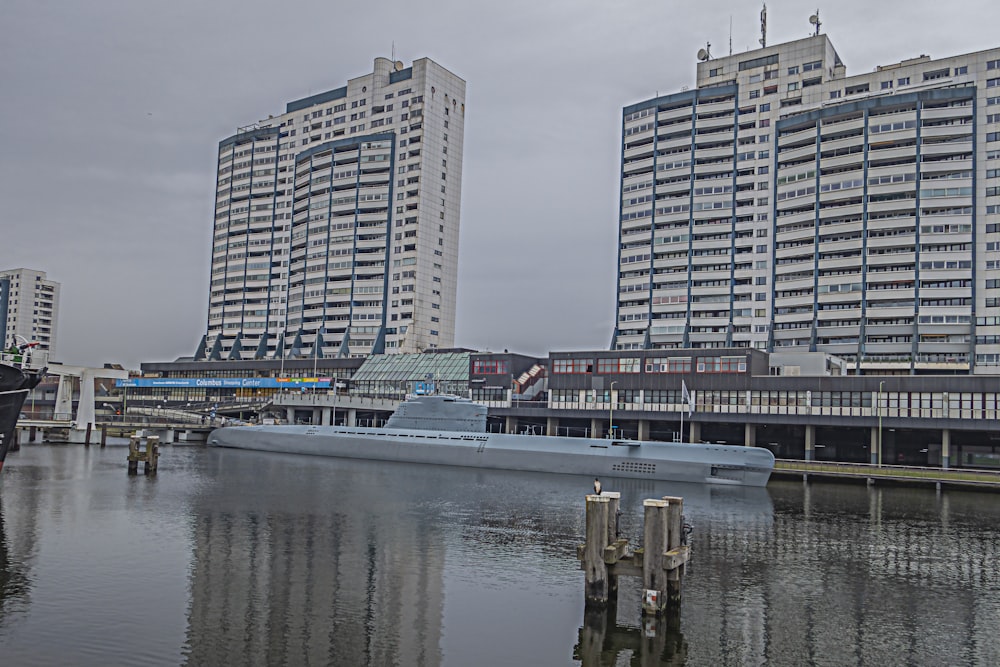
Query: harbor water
[244, 558]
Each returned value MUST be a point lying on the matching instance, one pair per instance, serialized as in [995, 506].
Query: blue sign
[225, 383]
[424, 388]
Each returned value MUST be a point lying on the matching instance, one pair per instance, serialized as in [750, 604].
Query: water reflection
[14, 584]
[259, 559]
[302, 560]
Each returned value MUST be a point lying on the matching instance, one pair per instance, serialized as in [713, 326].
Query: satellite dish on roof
[398, 65]
[702, 54]
[814, 19]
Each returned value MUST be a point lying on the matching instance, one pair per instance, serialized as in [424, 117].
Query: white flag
[686, 397]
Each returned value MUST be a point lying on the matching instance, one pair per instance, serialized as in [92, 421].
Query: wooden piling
[676, 553]
[31, 434]
[150, 456]
[596, 571]
[660, 561]
[86, 440]
[133, 455]
[654, 545]
[104, 437]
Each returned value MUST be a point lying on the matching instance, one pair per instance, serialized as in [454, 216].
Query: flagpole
[682, 424]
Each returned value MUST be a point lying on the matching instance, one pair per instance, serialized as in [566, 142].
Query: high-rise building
[337, 222]
[29, 308]
[784, 205]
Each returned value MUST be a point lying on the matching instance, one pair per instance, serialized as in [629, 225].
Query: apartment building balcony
[929, 151]
[717, 152]
[712, 167]
[673, 142]
[644, 165]
[798, 153]
[668, 115]
[722, 122]
[705, 108]
[638, 152]
[800, 300]
[843, 125]
[803, 137]
[957, 132]
[888, 330]
[957, 113]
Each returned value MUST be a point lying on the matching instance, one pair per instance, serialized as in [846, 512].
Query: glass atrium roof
[428, 366]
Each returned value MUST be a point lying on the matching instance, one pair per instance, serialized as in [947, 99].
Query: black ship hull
[15, 384]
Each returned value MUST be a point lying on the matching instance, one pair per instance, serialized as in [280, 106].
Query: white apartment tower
[786, 206]
[29, 308]
[337, 222]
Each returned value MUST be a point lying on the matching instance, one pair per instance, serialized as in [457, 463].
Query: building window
[573, 366]
[668, 365]
[624, 365]
[794, 69]
[490, 367]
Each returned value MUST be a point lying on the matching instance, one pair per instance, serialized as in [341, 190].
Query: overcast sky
[111, 112]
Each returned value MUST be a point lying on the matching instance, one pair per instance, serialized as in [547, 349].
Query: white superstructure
[784, 205]
[29, 308]
[337, 222]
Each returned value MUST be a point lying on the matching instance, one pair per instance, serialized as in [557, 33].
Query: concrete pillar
[552, 426]
[873, 459]
[510, 425]
[695, 432]
[643, 429]
[64, 397]
[325, 418]
[750, 435]
[290, 415]
[352, 417]
[317, 416]
[810, 442]
[596, 428]
[945, 449]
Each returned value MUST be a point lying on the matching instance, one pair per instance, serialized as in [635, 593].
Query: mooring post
[152, 455]
[104, 437]
[675, 538]
[31, 434]
[654, 545]
[86, 441]
[595, 569]
[133, 455]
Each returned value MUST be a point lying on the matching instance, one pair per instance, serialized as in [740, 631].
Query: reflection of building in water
[14, 582]
[314, 588]
[834, 579]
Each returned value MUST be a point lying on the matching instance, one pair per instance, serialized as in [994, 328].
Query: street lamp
[611, 411]
[879, 408]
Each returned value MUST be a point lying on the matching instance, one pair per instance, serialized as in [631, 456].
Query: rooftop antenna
[705, 53]
[393, 50]
[763, 26]
[730, 34]
[814, 19]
